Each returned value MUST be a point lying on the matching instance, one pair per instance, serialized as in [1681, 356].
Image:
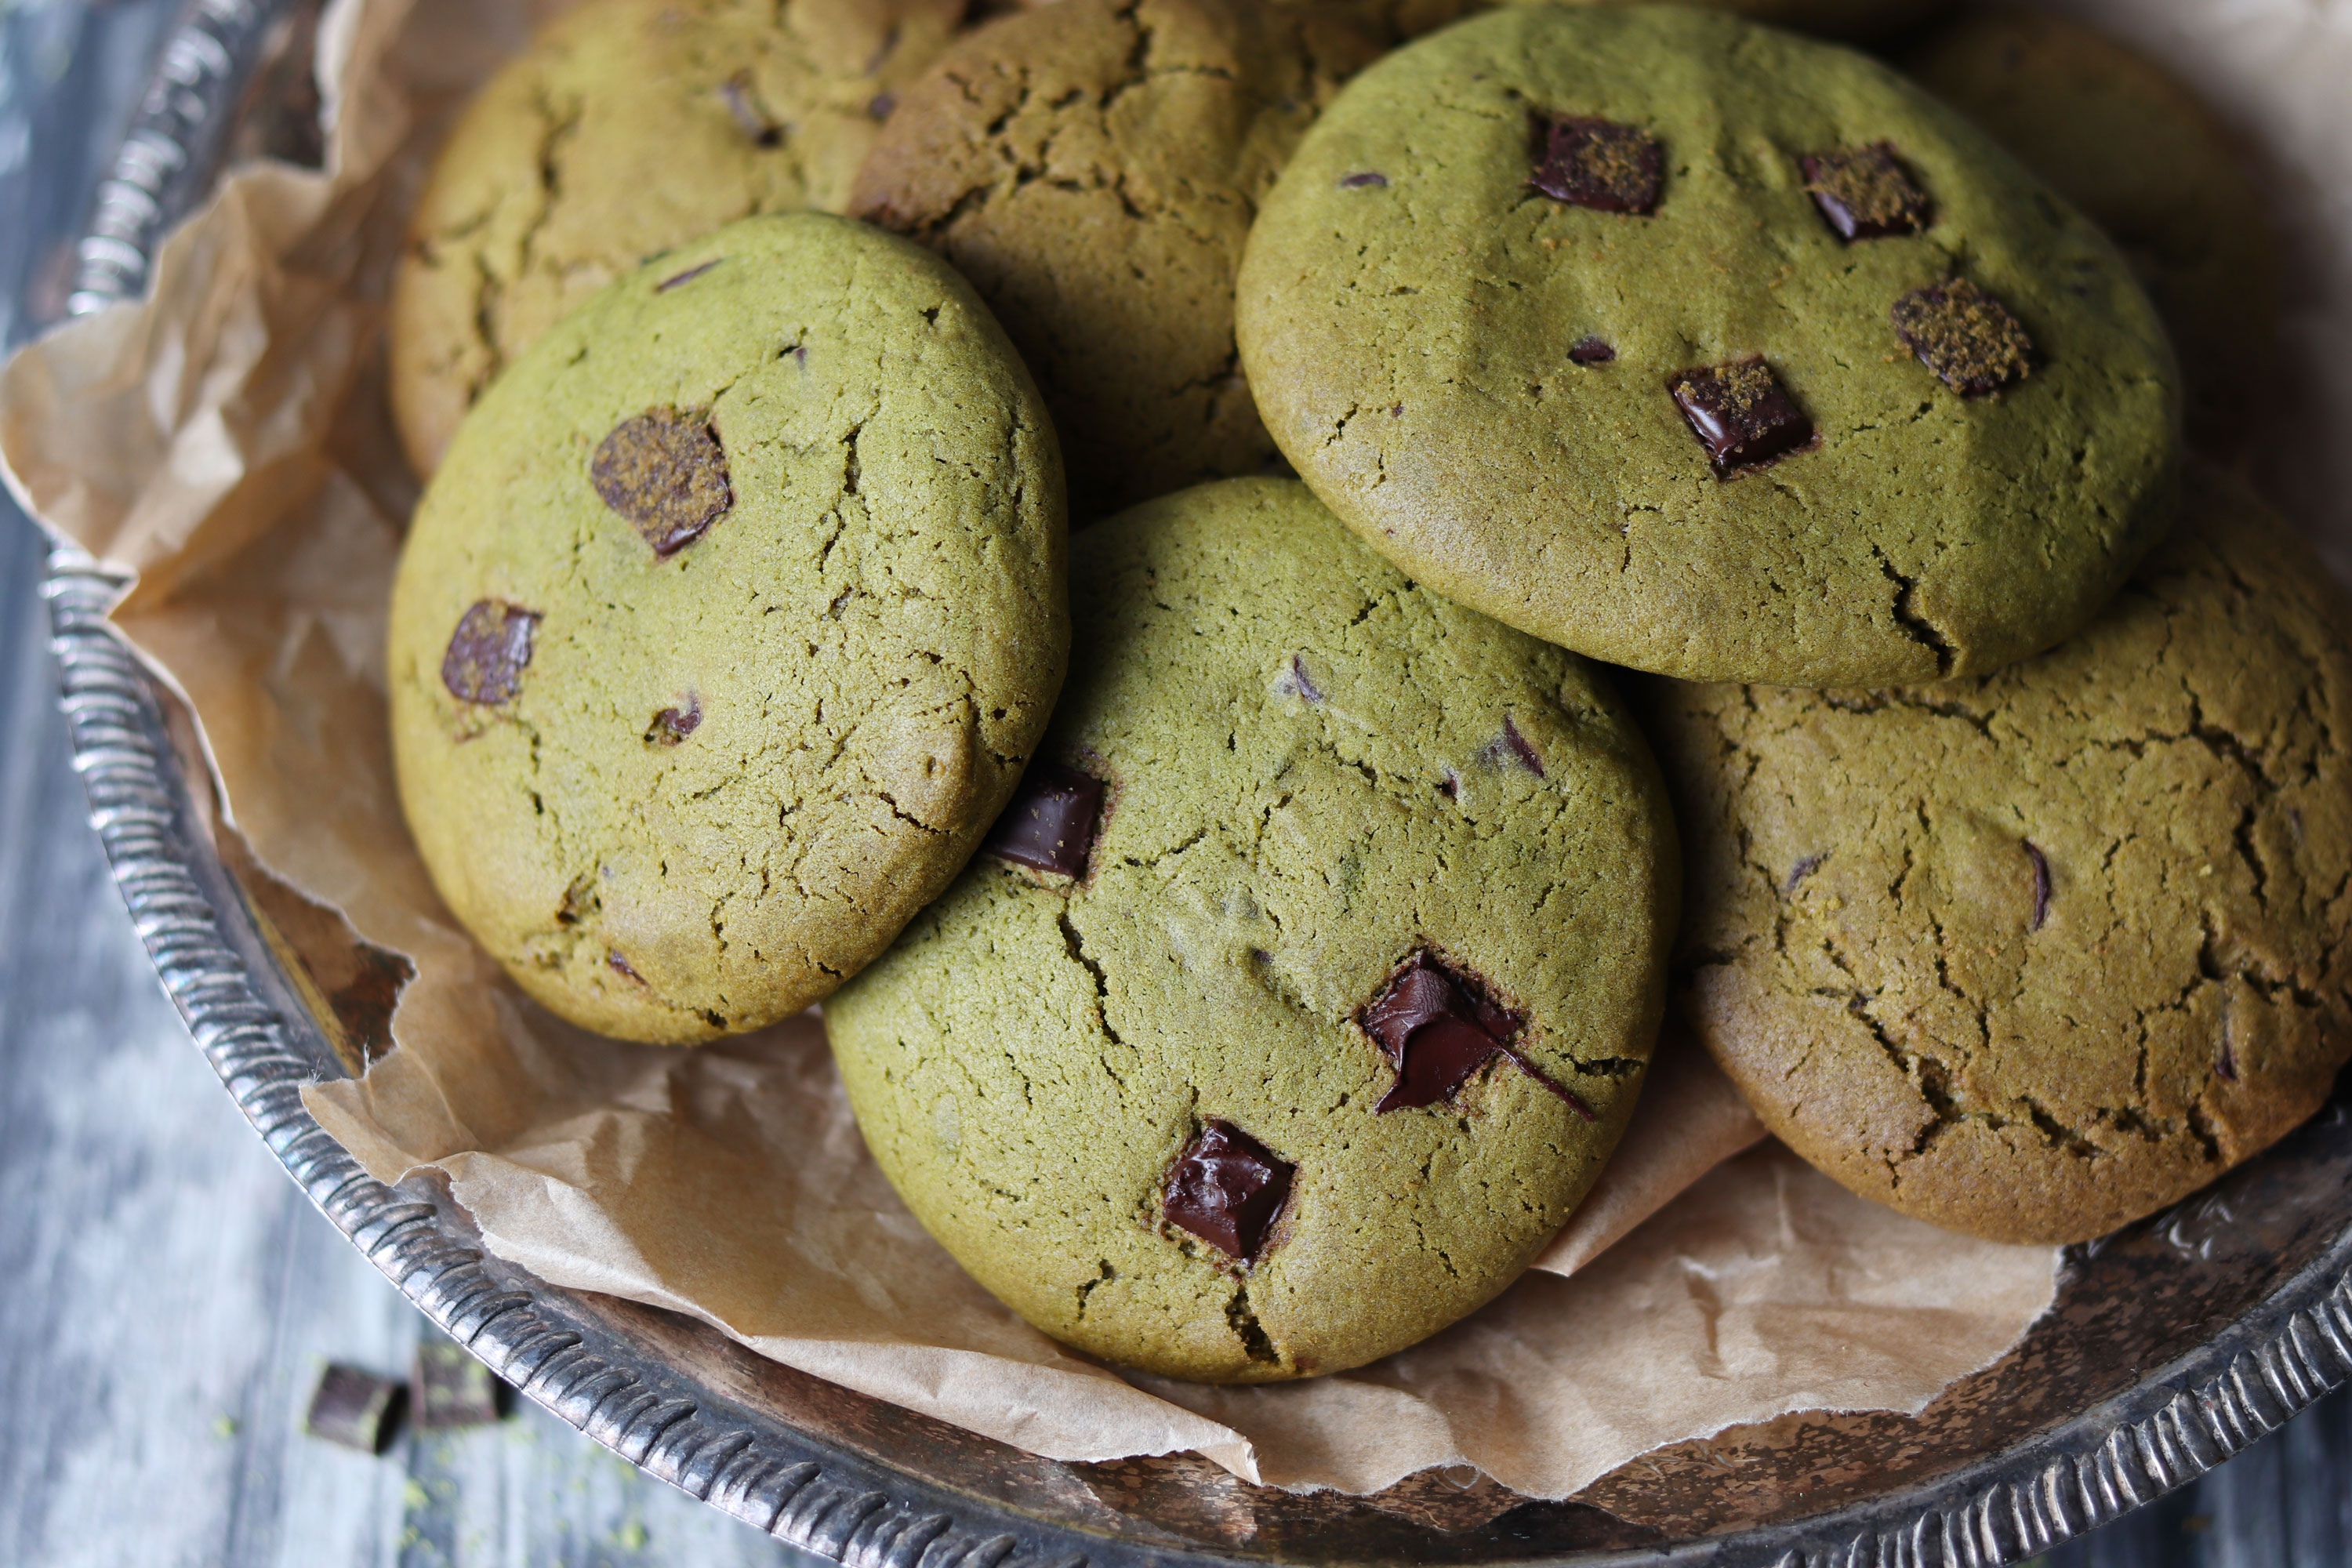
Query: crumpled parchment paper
[226, 440]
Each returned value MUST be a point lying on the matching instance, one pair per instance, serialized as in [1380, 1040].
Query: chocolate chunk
[688, 276]
[1296, 682]
[1436, 1034]
[671, 726]
[488, 653]
[354, 1408]
[1590, 350]
[749, 115]
[1050, 825]
[1438, 1029]
[2041, 884]
[1740, 414]
[1359, 182]
[666, 473]
[881, 106]
[1966, 336]
[447, 1388]
[1865, 193]
[1597, 163]
[1520, 748]
[1227, 1188]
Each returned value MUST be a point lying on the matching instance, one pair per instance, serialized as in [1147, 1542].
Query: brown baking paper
[226, 441]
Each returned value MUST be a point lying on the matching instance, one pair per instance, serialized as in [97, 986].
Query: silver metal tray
[2175, 1343]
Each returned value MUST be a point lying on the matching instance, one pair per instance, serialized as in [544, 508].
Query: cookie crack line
[1916, 627]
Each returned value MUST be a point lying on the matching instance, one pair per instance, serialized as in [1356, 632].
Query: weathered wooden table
[167, 1298]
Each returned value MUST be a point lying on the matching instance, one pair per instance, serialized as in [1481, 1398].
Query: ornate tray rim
[2179, 1421]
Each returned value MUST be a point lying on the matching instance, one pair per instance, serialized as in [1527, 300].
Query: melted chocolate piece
[1438, 1031]
[1966, 336]
[1227, 1188]
[1359, 182]
[1597, 163]
[1865, 193]
[1050, 825]
[354, 1408]
[671, 726]
[488, 653]
[1590, 350]
[1740, 414]
[666, 473]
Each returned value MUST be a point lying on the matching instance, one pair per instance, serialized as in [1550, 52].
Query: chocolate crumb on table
[1966, 336]
[354, 1409]
[448, 1388]
[1865, 193]
[1740, 414]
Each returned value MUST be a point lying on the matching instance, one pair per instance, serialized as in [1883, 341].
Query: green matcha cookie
[1859, 20]
[2032, 956]
[1311, 975]
[630, 128]
[2152, 165]
[1093, 168]
[1701, 348]
[728, 627]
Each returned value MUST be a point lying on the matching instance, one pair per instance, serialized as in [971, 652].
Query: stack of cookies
[1118, 615]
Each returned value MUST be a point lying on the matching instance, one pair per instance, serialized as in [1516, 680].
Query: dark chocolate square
[1740, 414]
[1227, 1188]
[353, 1408]
[1050, 825]
[1866, 193]
[666, 473]
[1966, 336]
[1438, 1028]
[489, 652]
[1598, 163]
[447, 1388]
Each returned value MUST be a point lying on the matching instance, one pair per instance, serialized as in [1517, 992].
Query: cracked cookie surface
[1413, 314]
[1346, 822]
[2153, 165]
[1093, 168]
[631, 127]
[2033, 955]
[1857, 20]
[728, 627]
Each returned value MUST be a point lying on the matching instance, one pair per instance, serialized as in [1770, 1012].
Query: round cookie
[1699, 347]
[728, 627]
[629, 128]
[1857, 20]
[2150, 164]
[2033, 955]
[1093, 168]
[1299, 821]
